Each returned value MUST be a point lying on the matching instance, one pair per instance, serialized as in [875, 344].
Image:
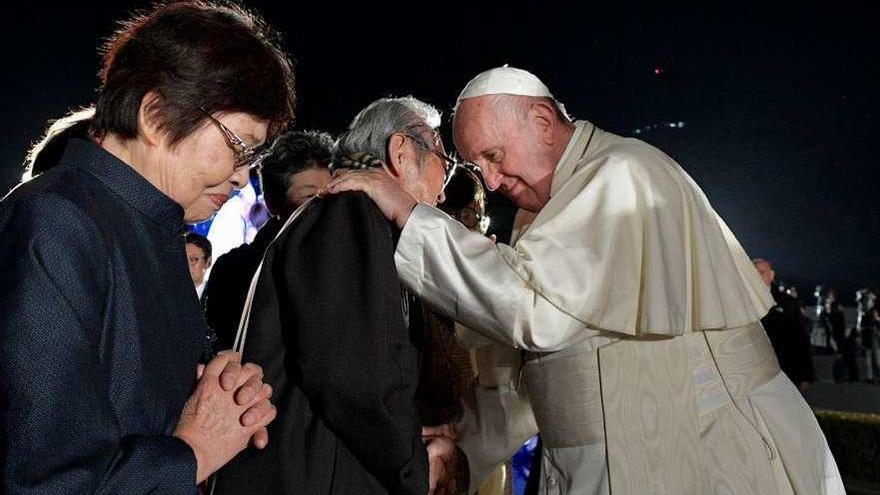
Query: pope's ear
[398, 154]
[149, 119]
[543, 117]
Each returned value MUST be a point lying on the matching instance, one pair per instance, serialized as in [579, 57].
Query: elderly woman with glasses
[100, 328]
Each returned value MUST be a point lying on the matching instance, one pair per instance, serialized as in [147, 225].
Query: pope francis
[634, 308]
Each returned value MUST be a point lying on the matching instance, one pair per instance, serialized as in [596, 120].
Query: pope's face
[506, 149]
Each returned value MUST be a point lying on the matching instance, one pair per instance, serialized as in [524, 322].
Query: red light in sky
[658, 70]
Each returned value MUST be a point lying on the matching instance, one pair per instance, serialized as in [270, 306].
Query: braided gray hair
[365, 144]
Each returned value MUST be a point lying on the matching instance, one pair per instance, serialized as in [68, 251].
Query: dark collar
[123, 180]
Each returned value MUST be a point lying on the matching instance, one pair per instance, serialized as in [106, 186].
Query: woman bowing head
[100, 328]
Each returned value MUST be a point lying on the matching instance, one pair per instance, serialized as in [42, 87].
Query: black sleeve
[341, 302]
[59, 432]
[805, 350]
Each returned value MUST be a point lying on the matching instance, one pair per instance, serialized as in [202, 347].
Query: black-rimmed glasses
[245, 155]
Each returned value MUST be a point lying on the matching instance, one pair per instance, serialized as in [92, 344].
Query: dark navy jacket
[100, 332]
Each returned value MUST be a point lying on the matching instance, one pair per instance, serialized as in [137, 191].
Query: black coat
[330, 331]
[786, 328]
[100, 332]
[230, 280]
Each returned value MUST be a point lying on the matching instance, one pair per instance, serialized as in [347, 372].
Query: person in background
[821, 331]
[846, 368]
[296, 168]
[868, 325]
[198, 255]
[466, 200]
[784, 324]
[100, 328]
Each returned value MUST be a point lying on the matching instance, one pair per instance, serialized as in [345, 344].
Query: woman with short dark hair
[100, 329]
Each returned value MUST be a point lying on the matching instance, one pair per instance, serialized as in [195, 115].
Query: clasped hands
[228, 408]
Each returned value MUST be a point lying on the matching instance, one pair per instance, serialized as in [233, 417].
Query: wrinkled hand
[441, 475]
[448, 430]
[247, 379]
[446, 470]
[394, 202]
[228, 407]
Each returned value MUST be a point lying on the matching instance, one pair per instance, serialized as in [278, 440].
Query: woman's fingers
[264, 392]
[217, 365]
[249, 383]
[230, 375]
[261, 438]
[259, 414]
[216, 427]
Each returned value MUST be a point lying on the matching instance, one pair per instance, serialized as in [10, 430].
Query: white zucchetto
[504, 80]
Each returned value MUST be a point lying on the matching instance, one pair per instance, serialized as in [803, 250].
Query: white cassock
[646, 365]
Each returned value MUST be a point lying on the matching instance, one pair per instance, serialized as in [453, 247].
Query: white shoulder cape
[628, 243]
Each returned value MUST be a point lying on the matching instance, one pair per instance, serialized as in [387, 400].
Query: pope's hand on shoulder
[394, 202]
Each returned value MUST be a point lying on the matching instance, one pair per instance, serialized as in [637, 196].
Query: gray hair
[373, 126]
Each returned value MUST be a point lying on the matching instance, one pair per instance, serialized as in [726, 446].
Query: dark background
[779, 101]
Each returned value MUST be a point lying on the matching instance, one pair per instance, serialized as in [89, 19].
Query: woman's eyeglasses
[245, 155]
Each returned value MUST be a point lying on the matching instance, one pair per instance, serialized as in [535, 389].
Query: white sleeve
[467, 276]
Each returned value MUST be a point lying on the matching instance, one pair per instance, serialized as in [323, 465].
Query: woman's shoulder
[55, 185]
[50, 205]
[344, 217]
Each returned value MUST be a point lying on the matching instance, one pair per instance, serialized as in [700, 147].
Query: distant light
[658, 70]
[659, 125]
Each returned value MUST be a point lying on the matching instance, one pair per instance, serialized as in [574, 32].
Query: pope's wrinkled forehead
[493, 111]
[475, 125]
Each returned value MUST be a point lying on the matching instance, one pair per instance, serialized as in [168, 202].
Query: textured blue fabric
[100, 332]
[521, 464]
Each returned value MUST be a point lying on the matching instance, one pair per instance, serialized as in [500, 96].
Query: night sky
[780, 103]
